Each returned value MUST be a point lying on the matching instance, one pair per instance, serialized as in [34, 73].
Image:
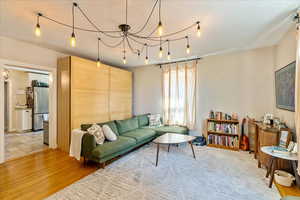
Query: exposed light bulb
[169, 56]
[37, 30]
[73, 40]
[160, 52]
[146, 60]
[188, 50]
[124, 60]
[160, 29]
[98, 63]
[198, 31]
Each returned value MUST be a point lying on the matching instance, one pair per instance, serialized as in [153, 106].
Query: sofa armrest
[88, 145]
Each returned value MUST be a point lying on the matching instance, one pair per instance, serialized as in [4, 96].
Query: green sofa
[131, 133]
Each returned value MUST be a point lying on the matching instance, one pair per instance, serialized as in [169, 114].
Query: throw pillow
[97, 132]
[109, 134]
[154, 120]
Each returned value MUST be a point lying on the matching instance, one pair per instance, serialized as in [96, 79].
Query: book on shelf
[221, 127]
[228, 141]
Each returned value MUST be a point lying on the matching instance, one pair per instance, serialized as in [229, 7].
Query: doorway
[26, 106]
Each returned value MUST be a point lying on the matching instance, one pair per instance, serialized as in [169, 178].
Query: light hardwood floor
[39, 175]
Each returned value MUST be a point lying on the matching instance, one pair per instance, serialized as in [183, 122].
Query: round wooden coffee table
[173, 138]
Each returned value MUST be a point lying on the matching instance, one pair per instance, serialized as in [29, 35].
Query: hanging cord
[126, 11]
[148, 19]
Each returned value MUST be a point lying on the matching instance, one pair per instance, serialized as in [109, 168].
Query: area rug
[216, 174]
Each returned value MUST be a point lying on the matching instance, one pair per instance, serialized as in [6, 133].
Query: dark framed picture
[285, 87]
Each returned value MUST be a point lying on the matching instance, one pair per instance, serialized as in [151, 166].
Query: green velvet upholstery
[88, 144]
[140, 134]
[130, 137]
[127, 125]
[143, 120]
[169, 129]
[111, 124]
[290, 198]
[109, 148]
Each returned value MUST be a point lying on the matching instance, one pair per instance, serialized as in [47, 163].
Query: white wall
[285, 53]
[147, 95]
[24, 52]
[18, 53]
[237, 82]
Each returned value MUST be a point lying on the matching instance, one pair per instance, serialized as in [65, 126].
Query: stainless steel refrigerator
[40, 107]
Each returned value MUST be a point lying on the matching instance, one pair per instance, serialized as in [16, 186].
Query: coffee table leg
[192, 149]
[269, 167]
[169, 148]
[294, 165]
[157, 154]
[273, 167]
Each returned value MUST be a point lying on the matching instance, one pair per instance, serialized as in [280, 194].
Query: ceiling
[227, 25]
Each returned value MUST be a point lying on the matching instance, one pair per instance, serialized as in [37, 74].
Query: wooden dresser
[267, 136]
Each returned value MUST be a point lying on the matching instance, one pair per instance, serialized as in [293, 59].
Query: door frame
[52, 101]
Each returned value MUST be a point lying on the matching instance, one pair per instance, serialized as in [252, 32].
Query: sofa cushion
[127, 125]
[112, 125]
[143, 120]
[140, 134]
[169, 129]
[109, 148]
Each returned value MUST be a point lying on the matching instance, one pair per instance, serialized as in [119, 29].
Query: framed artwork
[285, 87]
[285, 137]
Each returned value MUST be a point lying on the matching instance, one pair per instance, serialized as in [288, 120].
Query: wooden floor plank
[39, 175]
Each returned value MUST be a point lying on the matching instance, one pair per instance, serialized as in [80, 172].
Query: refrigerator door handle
[35, 101]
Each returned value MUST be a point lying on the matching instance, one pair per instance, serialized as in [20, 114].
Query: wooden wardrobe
[88, 94]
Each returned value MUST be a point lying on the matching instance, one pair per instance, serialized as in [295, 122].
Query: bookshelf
[222, 133]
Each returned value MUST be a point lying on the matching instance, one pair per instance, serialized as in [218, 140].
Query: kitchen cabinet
[23, 119]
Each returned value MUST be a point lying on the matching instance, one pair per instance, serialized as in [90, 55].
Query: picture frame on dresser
[285, 137]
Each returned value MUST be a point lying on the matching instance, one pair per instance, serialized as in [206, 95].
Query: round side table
[272, 165]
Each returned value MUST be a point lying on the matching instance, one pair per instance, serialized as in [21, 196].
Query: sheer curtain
[179, 94]
[297, 93]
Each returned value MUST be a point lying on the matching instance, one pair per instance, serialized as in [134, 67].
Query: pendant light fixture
[37, 30]
[98, 59]
[146, 59]
[188, 49]
[134, 39]
[73, 39]
[160, 27]
[198, 29]
[160, 54]
[169, 54]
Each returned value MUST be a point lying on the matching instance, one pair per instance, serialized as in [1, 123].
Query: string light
[169, 54]
[38, 27]
[98, 59]
[198, 29]
[146, 59]
[160, 29]
[124, 35]
[188, 49]
[73, 39]
[98, 63]
[160, 52]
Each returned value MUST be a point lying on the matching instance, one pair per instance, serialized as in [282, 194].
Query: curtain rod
[179, 61]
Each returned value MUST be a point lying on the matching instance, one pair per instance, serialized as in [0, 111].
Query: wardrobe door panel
[89, 92]
[63, 104]
[120, 94]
